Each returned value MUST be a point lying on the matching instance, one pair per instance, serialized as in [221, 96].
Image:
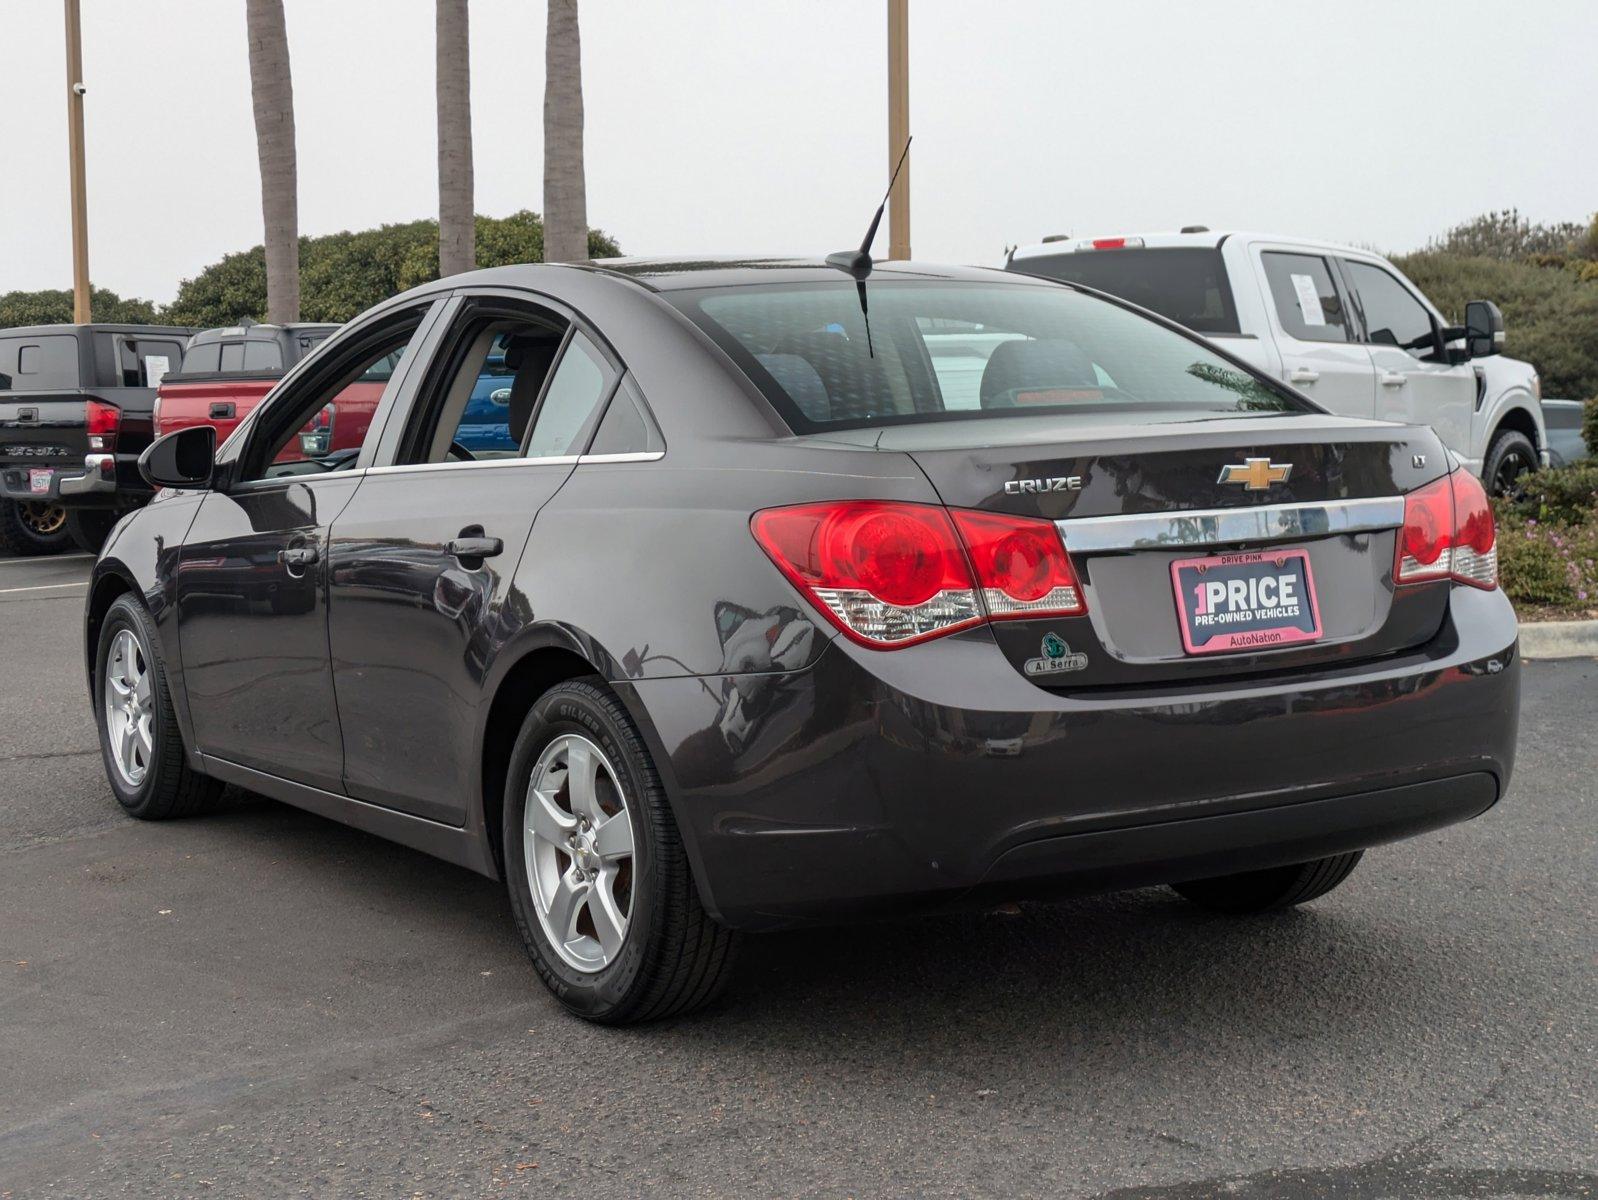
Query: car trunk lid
[1138, 493]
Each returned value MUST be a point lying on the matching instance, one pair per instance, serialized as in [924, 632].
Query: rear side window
[38, 364]
[1187, 284]
[1308, 304]
[204, 359]
[1393, 317]
[262, 356]
[144, 362]
[581, 381]
[627, 427]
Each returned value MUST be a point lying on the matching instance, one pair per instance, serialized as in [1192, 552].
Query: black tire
[1278, 887]
[32, 527]
[89, 527]
[169, 787]
[674, 957]
[1510, 456]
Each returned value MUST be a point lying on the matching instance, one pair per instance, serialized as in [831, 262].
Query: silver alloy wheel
[129, 708]
[578, 841]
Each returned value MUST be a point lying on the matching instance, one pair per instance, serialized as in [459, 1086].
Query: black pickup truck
[76, 407]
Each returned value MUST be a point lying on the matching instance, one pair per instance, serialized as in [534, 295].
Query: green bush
[1589, 426]
[1561, 495]
[1549, 564]
[342, 274]
[54, 307]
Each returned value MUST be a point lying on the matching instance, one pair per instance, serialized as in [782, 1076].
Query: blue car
[486, 423]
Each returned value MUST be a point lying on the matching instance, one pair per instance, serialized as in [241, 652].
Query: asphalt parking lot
[261, 1002]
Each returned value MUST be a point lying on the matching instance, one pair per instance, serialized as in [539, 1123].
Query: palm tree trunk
[565, 194]
[457, 234]
[272, 91]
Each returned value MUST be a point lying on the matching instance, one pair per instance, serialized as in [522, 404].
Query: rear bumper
[76, 485]
[935, 775]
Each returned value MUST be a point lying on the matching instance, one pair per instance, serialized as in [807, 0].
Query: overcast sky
[739, 126]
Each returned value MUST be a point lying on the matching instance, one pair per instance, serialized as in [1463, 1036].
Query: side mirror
[184, 459]
[1484, 328]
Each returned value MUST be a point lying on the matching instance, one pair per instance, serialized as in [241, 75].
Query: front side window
[321, 424]
[932, 351]
[1308, 304]
[1393, 317]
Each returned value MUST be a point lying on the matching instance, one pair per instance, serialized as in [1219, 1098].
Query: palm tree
[457, 250]
[565, 195]
[272, 92]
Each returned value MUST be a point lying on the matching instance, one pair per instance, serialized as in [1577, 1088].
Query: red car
[228, 371]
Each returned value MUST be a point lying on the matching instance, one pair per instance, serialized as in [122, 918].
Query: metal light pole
[899, 126]
[80, 200]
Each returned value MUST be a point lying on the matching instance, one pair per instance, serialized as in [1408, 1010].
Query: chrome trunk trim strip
[1224, 526]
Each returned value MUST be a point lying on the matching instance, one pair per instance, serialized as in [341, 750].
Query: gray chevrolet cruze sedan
[788, 597]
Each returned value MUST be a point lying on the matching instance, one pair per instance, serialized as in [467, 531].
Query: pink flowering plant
[1548, 543]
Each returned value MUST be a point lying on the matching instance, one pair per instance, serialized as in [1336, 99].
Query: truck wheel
[1509, 457]
[139, 737]
[1278, 887]
[33, 527]
[595, 867]
[89, 527]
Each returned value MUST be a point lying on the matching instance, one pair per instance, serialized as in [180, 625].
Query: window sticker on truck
[1309, 300]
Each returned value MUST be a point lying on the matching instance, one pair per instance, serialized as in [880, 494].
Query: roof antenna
[857, 263]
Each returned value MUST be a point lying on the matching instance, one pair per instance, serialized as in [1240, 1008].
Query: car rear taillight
[890, 574]
[1448, 533]
[1475, 533]
[1112, 243]
[1021, 566]
[102, 420]
[887, 574]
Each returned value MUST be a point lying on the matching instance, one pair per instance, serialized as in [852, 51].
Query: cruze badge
[1056, 657]
[1255, 474]
[1056, 483]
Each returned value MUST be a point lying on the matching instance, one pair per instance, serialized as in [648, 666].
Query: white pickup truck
[1342, 325]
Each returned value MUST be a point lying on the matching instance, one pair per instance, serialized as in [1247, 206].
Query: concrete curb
[1559, 639]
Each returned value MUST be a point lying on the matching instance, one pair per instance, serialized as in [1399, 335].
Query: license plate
[39, 480]
[1237, 602]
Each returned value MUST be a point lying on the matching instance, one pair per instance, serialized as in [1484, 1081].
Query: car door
[423, 557]
[1314, 331]
[252, 577]
[1415, 382]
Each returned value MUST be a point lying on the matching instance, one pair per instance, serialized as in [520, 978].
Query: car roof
[1207, 239]
[672, 274]
[46, 330]
[259, 331]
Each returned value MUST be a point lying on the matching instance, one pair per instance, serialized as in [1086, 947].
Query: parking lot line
[43, 559]
[44, 587]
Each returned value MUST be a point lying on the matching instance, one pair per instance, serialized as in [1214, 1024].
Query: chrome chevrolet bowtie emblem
[1256, 474]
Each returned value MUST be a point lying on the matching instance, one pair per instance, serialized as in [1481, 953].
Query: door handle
[1394, 379]
[471, 547]
[298, 556]
[1303, 375]
[222, 411]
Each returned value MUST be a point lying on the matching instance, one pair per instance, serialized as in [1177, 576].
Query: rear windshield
[936, 351]
[39, 363]
[1187, 284]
